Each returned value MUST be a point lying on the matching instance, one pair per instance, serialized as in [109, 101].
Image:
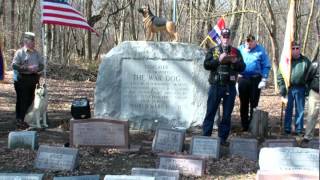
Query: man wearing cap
[296, 91]
[252, 79]
[27, 65]
[224, 63]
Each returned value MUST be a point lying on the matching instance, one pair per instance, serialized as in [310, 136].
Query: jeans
[295, 95]
[249, 94]
[215, 94]
[313, 112]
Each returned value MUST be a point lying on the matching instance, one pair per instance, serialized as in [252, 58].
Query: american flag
[60, 12]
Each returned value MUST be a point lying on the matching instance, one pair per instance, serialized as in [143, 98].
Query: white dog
[38, 109]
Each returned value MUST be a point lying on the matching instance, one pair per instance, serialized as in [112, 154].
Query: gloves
[262, 83]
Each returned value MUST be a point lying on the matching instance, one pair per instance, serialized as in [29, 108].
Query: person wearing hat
[27, 64]
[252, 79]
[224, 63]
[296, 91]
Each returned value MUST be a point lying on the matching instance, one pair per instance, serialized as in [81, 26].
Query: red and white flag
[286, 55]
[60, 12]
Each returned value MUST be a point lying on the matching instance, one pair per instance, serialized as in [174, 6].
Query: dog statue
[154, 24]
[37, 112]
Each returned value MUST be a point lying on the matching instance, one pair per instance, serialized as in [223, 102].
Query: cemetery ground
[102, 161]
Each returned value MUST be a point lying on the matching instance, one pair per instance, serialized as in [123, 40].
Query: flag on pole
[60, 12]
[1, 66]
[214, 34]
[286, 56]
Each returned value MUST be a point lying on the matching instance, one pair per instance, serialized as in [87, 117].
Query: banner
[286, 56]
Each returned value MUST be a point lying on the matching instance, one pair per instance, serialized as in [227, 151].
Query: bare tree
[308, 27]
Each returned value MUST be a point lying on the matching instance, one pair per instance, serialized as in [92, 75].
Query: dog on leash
[37, 112]
[154, 24]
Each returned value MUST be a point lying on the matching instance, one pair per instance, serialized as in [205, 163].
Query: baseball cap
[225, 32]
[29, 35]
[250, 37]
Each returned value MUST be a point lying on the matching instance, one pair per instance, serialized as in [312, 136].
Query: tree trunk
[308, 27]
[191, 21]
[133, 28]
[12, 13]
[30, 18]
[88, 33]
[122, 23]
[235, 19]
[241, 32]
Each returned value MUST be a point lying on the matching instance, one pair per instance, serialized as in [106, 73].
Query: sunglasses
[295, 48]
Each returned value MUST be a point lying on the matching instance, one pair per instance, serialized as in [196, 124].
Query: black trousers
[24, 87]
[249, 95]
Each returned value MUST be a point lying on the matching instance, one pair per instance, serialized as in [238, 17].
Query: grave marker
[20, 176]
[168, 140]
[159, 174]
[23, 139]
[247, 148]
[205, 146]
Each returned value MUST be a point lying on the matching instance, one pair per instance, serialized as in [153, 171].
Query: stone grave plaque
[86, 177]
[126, 177]
[280, 143]
[99, 132]
[247, 148]
[205, 146]
[289, 158]
[285, 175]
[159, 174]
[153, 84]
[186, 164]
[168, 140]
[23, 139]
[20, 176]
[57, 158]
[314, 144]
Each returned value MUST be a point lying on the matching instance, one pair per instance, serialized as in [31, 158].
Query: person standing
[224, 63]
[312, 80]
[252, 79]
[27, 64]
[296, 91]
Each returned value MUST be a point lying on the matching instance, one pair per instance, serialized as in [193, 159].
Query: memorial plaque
[314, 144]
[86, 177]
[20, 176]
[159, 174]
[57, 158]
[126, 177]
[289, 158]
[99, 132]
[153, 84]
[168, 140]
[23, 139]
[247, 148]
[186, 164]
[205, 146]
[285, 175]
[280, 143]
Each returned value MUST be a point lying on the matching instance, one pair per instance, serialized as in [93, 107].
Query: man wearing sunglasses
[295, 95]
[252, 79]
[224, 63]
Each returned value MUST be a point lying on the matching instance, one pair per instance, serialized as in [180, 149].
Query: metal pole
[44, 49]
[281, 117]
[174, 10]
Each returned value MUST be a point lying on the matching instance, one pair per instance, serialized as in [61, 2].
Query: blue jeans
[216, 93]
[295, 95]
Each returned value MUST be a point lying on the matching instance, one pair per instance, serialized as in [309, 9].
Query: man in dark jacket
[296, 91]
[312, 79]
[224, 63]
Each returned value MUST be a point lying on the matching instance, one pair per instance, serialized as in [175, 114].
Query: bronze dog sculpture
[154, 24]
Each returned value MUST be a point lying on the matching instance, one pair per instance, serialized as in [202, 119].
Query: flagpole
[44, 49]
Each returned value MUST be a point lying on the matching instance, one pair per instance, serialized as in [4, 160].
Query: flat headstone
[247, 148]
[284, 175]
[280, 143]
[186, 164]
[205, 146]
[99, 132]
[153, 84]
[168, 140]
[20, 176]
[57, 158]
[86, 177]
[314, 144]
[289, 158]
[23, 139]
[159, 174]
[126, 177]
